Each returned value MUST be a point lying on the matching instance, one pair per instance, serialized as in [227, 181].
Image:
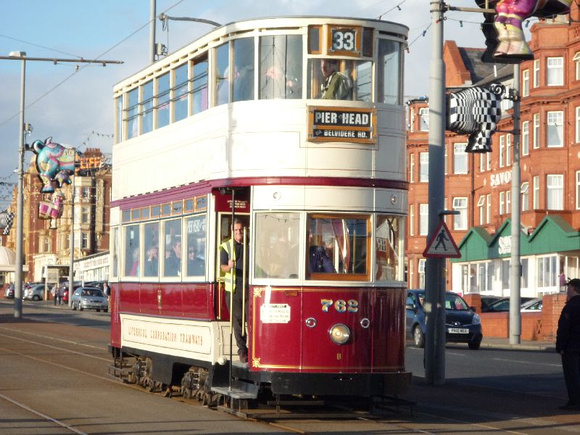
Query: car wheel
[35, 298]
[474, 345]
[80, 307]
[418, 336]
[106, 310]
[73, 306]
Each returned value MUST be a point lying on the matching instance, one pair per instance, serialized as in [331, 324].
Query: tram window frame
[119, 119]
[349, 45]
[196, 241]
[281, 76]
[384, 76]
[115, 250]
[151, 240]
[200, 72]
[163, 100]
[346, 67]
[168, 241]
[276, 245]
[316, 238]
[314, 39]
[392, 267]
[243, 52]
[132, 113]
[132, 250]
[222, 74]
[146, 107]
[179, 96]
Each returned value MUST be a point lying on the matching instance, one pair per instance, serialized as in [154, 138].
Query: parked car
[533, 306]
[9, 292]
[89, 298]
[503, 304]
[486, 301]
[34, 292]
[462, 323]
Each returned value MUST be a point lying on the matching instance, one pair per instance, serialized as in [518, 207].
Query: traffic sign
[441, 244]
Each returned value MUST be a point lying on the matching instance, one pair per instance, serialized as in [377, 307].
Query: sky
[72, 103]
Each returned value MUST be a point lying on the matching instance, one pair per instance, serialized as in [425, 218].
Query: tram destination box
[341, 125]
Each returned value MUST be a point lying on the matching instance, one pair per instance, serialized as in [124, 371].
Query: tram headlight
[340, 333]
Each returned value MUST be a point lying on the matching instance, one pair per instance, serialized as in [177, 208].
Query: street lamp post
[20, 196]
[71, 272]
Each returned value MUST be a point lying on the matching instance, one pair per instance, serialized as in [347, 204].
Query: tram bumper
[341, 384]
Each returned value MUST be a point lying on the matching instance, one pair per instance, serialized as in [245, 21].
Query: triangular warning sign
[442, 244]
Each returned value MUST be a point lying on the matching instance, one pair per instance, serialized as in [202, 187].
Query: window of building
[555, 192]
[423, 167]
[501, 150]
[484, 275]
[411, 168]
[482, 157]
[525, 138]
[460, 220]
[421, 272]
[525, 83]
[508, 150]
[501, 203]
[536, 187]
[488, 156]
[536, 73]
[445, 159]
[481, 207]
[555, 71]
[84, 241]
[423, 219]
[412, 220]
[505, 274]
[424, 119]
[46, 244]
[85, 215]
[578, 124]
[488, 206]
[547, 271]
[555, 129]
[577, 190]
[536, 137]
[459, 158]
[525, 196]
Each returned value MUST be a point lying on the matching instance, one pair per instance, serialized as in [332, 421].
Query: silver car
[89, 298]
[34, 292]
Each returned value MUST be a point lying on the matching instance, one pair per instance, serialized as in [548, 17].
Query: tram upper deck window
[180, 93]
[340, 79]
[147, 107]
[390, 66]
[243, 79]
[132, 113]
[222, 57]
[337, 247]
[162, 101]
[281, 66]
[200, 80]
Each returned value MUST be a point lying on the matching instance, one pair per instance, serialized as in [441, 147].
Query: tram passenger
[336, 85]
[195, 264]
[173, 260]
[318, 261]
[152, 262]
[276, 84]
[232, 264]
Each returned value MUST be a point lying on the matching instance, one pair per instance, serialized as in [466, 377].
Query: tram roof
[200, 44]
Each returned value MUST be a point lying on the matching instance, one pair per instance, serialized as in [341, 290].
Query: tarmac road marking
[526, 362]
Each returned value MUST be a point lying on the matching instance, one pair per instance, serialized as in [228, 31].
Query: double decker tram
[296, 126]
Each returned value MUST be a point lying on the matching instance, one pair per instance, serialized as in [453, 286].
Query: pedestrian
[60, 294]
[568, 344]
[54, 292]
[232, 265]
[106, 289]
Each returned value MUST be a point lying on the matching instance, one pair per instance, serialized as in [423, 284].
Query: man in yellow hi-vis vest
[232, 264]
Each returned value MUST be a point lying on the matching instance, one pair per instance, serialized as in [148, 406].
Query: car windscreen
[455, 302]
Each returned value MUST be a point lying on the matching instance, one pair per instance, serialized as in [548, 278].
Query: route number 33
[343, 40]
[340, 305]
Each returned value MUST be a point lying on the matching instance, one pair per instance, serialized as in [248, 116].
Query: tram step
[234, 393]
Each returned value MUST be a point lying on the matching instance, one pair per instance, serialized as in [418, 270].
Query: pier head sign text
[341, 125]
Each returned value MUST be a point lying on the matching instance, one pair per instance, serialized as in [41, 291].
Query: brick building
[47, 242]
[478, 186]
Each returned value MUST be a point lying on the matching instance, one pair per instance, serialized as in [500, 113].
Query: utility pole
[152, 15]
[435, 283]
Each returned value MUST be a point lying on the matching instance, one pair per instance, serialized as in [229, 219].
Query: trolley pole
[435, 282]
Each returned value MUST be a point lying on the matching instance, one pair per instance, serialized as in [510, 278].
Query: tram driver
[336, 86]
